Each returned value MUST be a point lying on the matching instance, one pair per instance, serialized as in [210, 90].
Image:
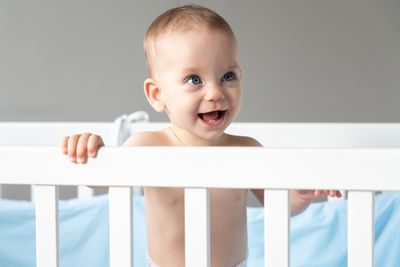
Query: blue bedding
[318, 235]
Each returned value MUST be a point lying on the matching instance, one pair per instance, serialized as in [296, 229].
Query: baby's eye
[194, 79]
[228, 76]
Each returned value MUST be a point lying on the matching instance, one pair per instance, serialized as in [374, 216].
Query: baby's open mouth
[212, 116]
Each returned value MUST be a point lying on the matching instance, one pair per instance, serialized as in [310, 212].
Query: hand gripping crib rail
[366, 159]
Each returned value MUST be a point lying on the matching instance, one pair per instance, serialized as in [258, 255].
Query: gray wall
[303, 60]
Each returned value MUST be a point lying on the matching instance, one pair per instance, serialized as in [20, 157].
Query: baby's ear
[153, 94]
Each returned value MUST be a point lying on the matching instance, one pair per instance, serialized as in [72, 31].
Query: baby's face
[200, 81]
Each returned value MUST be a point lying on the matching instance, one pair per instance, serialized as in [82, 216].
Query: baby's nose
[214, 93]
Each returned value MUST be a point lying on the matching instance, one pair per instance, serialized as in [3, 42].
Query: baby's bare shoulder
[146, 139]
[237, 140]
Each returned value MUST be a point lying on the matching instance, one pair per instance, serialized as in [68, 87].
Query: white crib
[361, 158]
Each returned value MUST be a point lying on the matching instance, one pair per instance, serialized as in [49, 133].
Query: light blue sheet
[318, 236]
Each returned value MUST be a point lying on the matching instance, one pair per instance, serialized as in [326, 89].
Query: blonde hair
[182, 18]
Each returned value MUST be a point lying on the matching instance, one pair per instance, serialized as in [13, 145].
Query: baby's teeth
[212, 121]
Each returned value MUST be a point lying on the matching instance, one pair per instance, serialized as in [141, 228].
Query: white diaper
[151, 263]
[243, 263]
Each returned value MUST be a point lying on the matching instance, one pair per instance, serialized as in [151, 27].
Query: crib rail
[300, 135]
[276, 170]
[358, 169]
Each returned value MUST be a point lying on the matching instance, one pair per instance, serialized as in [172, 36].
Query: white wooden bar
[46, 205]
[276, 228]
[33, 190]
[352, 169]
[85, 192]
[197, 227]
[360, 229]
[121, 226]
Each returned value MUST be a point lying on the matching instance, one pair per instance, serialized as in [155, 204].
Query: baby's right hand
[79, 146]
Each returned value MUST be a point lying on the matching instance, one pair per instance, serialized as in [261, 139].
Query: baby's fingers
[72, 146]
[318, 193]
[64, 145]
[81, 152]
[335, 193]
[94, 143]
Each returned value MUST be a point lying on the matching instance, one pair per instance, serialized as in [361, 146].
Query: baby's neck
[184, 138]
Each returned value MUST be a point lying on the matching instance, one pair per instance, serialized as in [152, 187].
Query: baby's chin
[213, 135]
[203, 134]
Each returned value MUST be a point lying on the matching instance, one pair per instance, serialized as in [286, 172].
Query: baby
[192, 57]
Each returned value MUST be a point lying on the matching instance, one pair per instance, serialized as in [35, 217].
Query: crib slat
[84, 192]
[33, 190]
[46, 205]
[121, 226]
[276, 228]
[197, 227]
[360, 229]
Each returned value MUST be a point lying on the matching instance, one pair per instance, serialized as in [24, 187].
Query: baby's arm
[299, 199]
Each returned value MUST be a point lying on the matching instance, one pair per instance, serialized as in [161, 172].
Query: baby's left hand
[301, 199]
[310, 195]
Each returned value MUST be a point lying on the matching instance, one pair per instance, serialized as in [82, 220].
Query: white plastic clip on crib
[361, 158]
